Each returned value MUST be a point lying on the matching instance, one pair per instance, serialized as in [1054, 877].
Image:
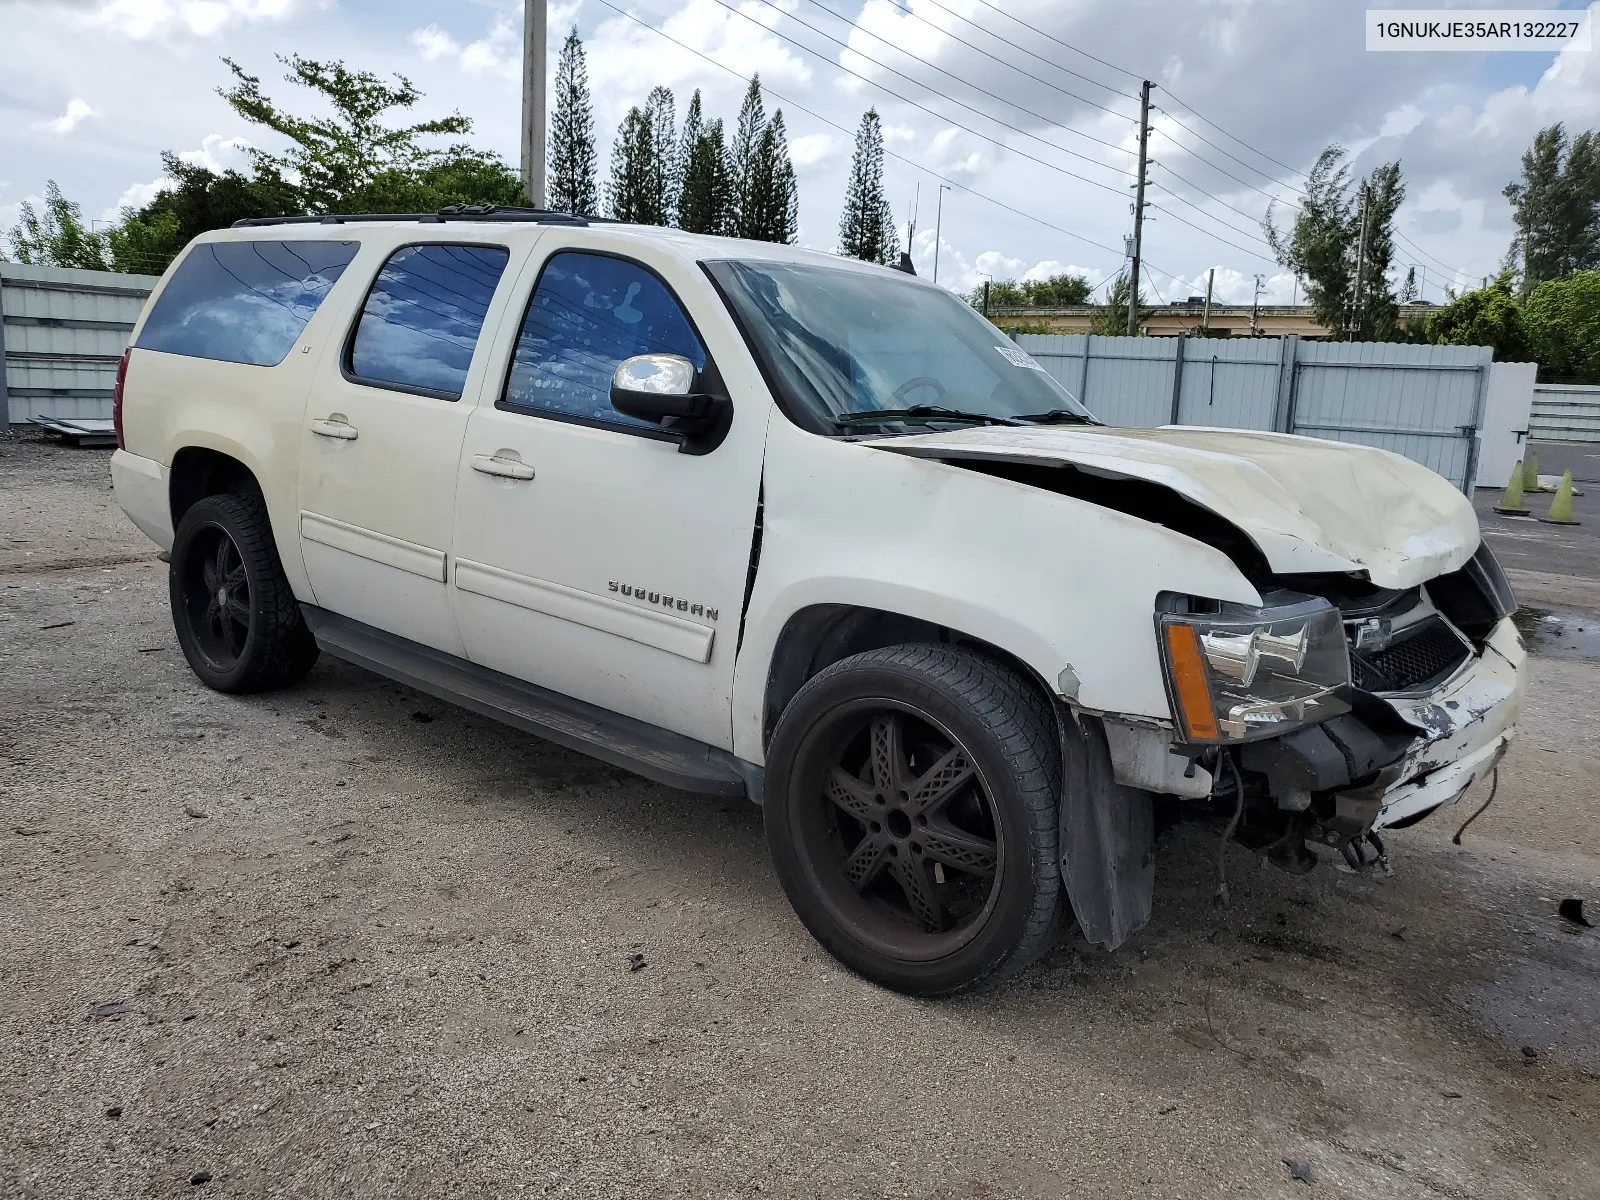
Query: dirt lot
[362, 944]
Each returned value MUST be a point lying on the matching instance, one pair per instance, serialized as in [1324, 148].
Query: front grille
[1427, 652]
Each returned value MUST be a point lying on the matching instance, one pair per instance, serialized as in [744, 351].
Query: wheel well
[198, 472]
[823, 634]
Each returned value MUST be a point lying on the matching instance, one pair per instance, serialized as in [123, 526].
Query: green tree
[1055, 291]
[742, 152]
[1563, 320]
[1556, 206]
[866, 226]
[1323, 244]
[1111, 318]
[1488, 316]
[574, 163]
[666, 176]
[771, 208]
[633, 192]
[706, 204]
[351, 160]
[55, 236]
[694, 127]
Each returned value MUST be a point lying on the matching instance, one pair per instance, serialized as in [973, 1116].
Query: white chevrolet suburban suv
[751, 520]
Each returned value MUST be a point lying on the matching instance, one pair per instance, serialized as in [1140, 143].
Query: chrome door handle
[342, 430]
[504, 468]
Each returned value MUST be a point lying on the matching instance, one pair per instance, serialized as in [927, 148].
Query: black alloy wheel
[911, 810]
[235, 615]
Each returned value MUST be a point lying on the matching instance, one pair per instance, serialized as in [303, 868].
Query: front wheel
[911, 811]
[236, 618]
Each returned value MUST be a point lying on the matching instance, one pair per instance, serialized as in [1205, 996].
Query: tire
[249, 643]
[970, 811]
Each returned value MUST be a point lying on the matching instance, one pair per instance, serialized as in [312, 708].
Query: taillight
[116, 398]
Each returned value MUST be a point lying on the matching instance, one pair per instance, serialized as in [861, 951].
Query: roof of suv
[699, 246]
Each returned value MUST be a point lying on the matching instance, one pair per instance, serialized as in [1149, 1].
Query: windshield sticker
[1018, 358]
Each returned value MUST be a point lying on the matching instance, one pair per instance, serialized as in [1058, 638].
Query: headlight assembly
[1247, 673]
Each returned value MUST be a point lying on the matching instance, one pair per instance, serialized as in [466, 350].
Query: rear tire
[236, 618]
[911, 812]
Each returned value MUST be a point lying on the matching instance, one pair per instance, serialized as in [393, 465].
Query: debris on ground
[1298, 1170]
[111, 1011]
[1572, 909]
[637, 962]
[114, 1112]
[199, 1177]
[190, 810]
[421, 718]
[1529, 1053]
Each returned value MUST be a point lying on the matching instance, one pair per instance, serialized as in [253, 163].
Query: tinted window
[244, 302]
[588, 313]
[423, 316]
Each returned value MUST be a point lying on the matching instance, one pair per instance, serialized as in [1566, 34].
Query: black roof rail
[454, 212]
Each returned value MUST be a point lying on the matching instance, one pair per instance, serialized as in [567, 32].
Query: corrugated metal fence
[1425, 402]
[1565, 413]
[61, 333]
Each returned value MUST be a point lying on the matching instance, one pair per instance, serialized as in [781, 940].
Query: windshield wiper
[1058, 416]
[923, 413]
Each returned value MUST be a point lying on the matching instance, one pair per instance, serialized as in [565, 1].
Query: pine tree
[660, 110]
[688, 139]
[574, 163]
[1556, 206]
[770, 210]
[633, 192]
[866, 226]
[705, 205]
[742, 153]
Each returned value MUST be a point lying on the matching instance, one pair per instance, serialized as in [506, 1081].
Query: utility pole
[1138, 207]
[533, 99]
[1205, 321]
[1255, 311]
[1361, 268]
[986, 283]
[938, 226]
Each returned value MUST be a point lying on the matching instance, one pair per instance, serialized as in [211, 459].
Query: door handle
[332, 427]
[504, 468]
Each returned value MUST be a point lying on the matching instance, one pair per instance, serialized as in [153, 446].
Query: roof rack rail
[453, 212]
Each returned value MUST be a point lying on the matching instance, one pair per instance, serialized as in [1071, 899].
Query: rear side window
[244, 302]
[588, 313]
[423, 316]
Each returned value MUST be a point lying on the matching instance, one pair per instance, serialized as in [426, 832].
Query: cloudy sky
[1029, 114]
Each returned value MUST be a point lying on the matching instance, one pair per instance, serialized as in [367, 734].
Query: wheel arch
[201, 471]
[819, 635]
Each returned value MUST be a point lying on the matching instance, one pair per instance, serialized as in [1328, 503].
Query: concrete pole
[938, 228]
[1211, 277]
[533, 101]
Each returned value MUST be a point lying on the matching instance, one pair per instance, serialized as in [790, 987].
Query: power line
[798, 107]
[917, 83]
[1247, 166]
[1207, 233]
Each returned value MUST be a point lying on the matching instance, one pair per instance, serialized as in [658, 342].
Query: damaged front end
[1336, 711]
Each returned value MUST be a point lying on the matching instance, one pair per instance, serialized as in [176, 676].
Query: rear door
[383, 435]
[591, 557]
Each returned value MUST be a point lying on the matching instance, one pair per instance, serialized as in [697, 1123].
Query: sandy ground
[391, 959]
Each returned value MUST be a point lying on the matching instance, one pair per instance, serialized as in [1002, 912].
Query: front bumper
[1465, 728]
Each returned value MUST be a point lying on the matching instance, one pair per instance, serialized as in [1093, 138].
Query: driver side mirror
[666, 390]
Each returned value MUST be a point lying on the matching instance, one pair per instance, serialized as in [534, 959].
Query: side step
[633, 745]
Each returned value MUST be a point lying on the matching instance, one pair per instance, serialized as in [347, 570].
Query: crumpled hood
[1308, 505]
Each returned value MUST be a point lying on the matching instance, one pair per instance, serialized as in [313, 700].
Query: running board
[644, 749]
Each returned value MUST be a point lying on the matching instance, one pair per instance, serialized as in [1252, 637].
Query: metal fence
[1565, 413]
[61, 333]
[1425, 402]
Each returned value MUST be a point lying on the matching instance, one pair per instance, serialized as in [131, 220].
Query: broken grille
[1429, 652]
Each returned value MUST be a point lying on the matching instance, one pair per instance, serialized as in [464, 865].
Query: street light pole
[533, 100]
[938, 226]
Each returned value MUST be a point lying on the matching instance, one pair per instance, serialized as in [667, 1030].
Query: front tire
[911, 811]
[236, 618]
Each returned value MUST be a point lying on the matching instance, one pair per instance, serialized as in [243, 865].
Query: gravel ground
[359, 943]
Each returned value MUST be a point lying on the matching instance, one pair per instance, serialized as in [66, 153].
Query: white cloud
[141, 19]
[814, 148]
[135, 196]
[78, 111]
[435, 43]
[219, 154]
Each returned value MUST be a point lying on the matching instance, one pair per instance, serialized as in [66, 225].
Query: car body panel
[1291, 495]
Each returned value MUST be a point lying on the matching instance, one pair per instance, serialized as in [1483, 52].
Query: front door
[592, 557]
[383, 436]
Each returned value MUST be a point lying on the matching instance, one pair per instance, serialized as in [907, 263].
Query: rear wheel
[237, 621]
[911, 813]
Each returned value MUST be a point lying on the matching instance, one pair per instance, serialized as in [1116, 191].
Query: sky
[1012, 133]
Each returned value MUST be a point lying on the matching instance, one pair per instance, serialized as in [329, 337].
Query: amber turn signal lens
[1189, 681]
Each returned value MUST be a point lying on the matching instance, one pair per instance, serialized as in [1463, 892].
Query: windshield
[839, 342]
